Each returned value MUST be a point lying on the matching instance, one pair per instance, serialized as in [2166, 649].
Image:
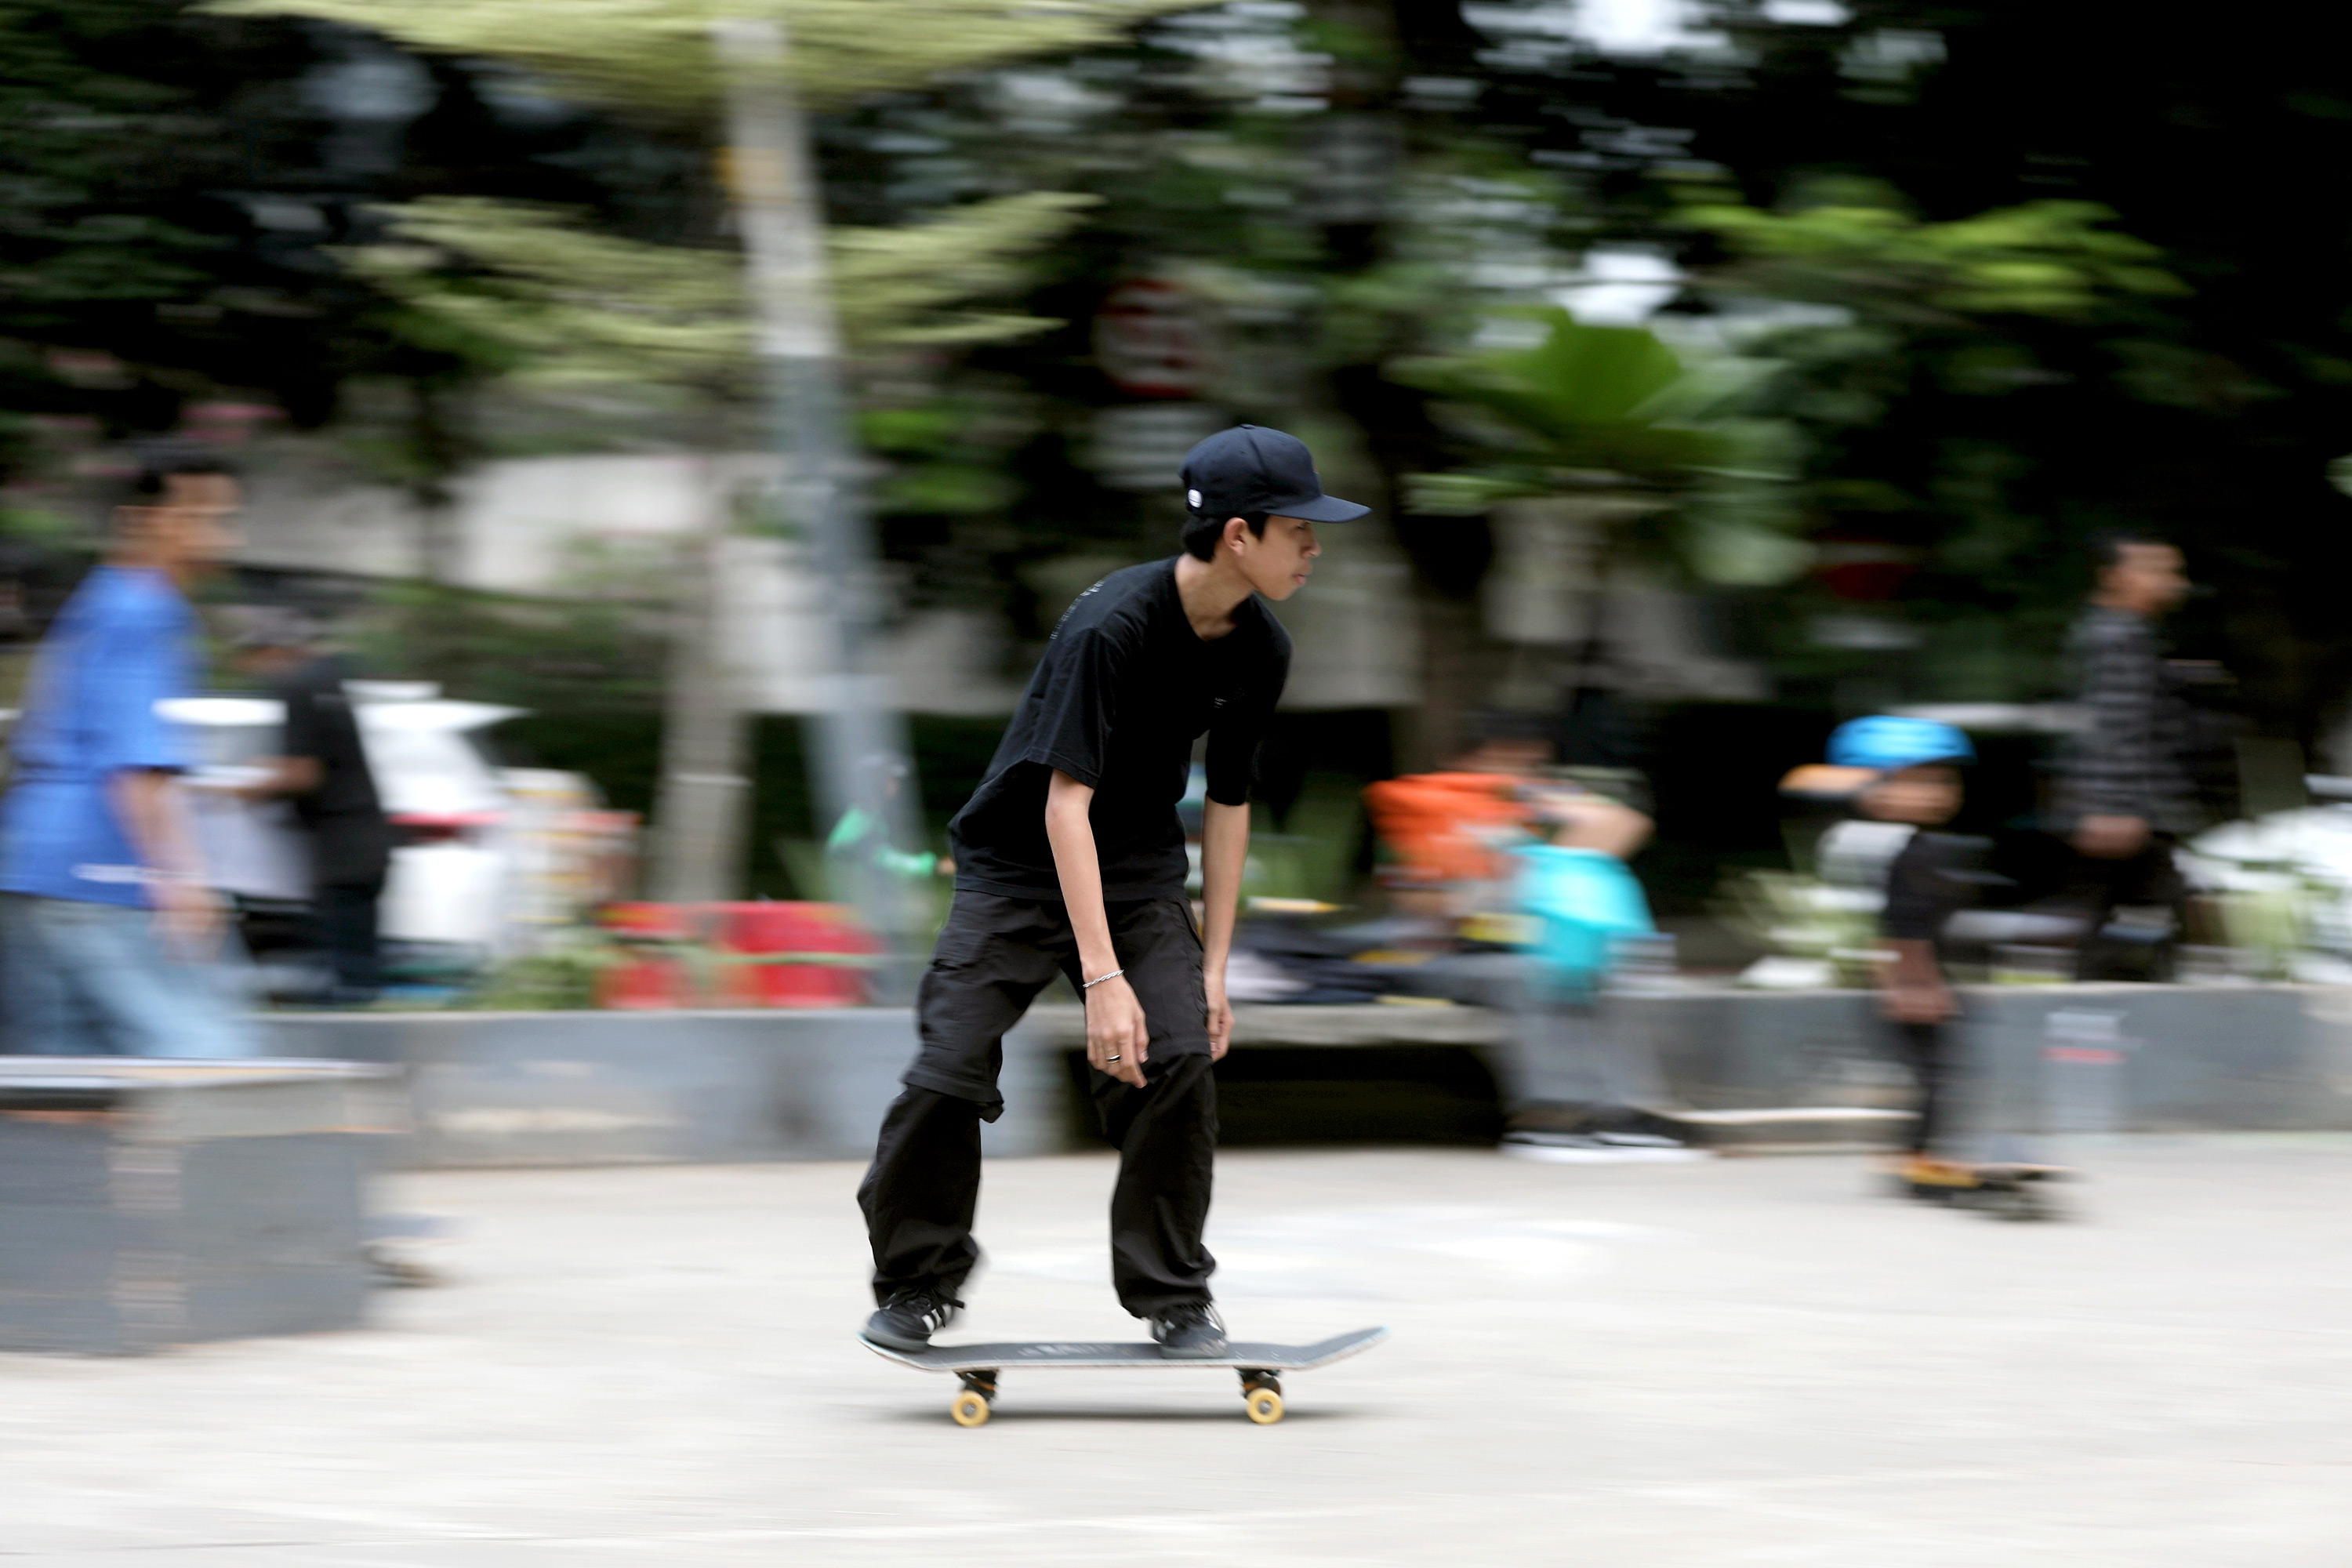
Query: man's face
[190, 528]
[1929, 795]
[1277, 565]
[2147, 579]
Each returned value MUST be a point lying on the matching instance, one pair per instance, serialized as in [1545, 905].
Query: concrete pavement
[1736, 1363]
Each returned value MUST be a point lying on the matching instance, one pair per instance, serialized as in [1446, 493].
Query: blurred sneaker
[909, 1318]
[1191, 1328]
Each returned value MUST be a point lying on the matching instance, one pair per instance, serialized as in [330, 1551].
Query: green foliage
[1893, 381]
[1590, 407]
[140, 139]
[655, 54]
[1857, 249]
[907, 287]
[1574, 408]
[576, 656]
[570, 309]
[564, 978]
[66, 249]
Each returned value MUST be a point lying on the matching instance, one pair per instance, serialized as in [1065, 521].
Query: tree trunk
[860, 756]
[705, 794]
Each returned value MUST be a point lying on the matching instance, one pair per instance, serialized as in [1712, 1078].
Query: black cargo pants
[993, 957]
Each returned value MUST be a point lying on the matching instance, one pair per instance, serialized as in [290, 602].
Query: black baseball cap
[1252, 470]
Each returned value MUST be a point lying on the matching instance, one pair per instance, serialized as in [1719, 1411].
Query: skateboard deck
[1258, 1362]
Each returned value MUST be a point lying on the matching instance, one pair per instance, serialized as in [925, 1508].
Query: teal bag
[1581, 901]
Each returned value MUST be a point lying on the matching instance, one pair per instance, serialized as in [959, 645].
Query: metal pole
[859, 733]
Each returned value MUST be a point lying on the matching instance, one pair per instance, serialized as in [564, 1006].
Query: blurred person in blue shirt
[111, 937]
[1585, 1083]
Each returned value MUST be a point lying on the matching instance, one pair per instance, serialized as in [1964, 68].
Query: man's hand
[187, 920]
[1930, 1004]
[1220, 1019]
[1117, 1040]
[2111, 838]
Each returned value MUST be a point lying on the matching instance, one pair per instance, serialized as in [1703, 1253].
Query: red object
[1865, 570]
[751, 948]
[638, 984]
[764, 928]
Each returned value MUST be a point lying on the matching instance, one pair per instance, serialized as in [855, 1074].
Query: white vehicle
[491, 855]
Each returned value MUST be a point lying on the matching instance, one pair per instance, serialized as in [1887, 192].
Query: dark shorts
[996, 953]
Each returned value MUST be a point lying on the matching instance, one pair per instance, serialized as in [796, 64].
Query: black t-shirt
[1124, 688]
[1932, 879]
[351, 839]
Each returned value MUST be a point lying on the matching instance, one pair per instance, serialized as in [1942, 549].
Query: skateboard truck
[1261, 1395]
[971, 1406]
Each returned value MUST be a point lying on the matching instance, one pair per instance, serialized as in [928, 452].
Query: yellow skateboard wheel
[971, 1410]
[1264, 1407]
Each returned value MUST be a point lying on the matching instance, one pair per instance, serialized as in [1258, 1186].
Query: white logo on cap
[1193, 498]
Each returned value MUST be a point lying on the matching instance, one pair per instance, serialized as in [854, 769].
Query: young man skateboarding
[1070, 859]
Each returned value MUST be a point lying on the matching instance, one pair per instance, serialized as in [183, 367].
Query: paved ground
[1728, 1363]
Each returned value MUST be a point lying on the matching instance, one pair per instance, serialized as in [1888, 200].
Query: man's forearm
[1225, 851]
[286, 776]
[1070, 831]
[147, 801]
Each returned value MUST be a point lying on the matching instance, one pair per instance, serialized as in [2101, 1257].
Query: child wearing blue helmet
[1908, 771]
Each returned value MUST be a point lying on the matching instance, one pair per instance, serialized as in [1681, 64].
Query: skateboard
[2005, 1189]
[976, 1366]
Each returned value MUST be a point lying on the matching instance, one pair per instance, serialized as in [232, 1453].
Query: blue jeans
[86, 980]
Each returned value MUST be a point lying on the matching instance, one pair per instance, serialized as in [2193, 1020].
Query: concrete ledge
[571, 1088]
[147, 1204]
[498, 1088]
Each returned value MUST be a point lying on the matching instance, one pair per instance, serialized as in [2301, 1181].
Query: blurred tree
[1589, 411]
[1988, 444]
[694, 60]
[655, 56]
[1645, 464]
[1941, 321]
[1312, 207]
[136, 235]
[574, 310]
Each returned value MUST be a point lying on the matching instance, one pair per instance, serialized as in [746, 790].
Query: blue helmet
[1884, 742]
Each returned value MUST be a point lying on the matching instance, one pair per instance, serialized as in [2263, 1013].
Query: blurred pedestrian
[1447, 836]
[1912, 773]
[111, 938]
[2124, 793]
[1070, 859]
[321, 771]
[1581, 1080]
[864, 865]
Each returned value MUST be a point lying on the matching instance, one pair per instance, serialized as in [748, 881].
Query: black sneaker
[909, 1318]
[1190, 1330]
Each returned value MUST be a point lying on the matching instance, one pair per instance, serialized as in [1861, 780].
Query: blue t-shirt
[124, 642]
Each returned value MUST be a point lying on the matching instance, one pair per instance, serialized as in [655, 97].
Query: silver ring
[1112, 1057]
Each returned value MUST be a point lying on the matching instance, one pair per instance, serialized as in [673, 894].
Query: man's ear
[1231, 538]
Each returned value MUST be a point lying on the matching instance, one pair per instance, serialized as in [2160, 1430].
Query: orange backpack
[1443, 828]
